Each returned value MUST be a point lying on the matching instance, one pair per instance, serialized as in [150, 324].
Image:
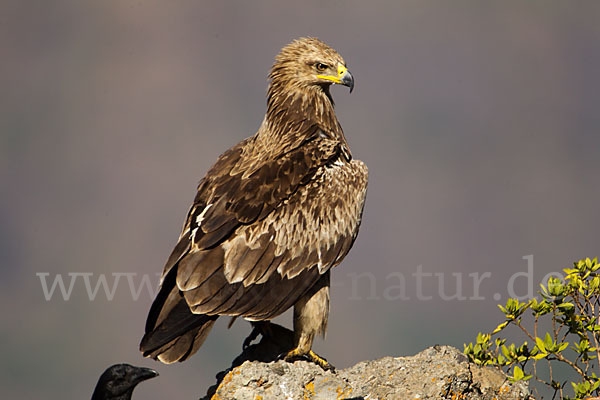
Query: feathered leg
[310, 318]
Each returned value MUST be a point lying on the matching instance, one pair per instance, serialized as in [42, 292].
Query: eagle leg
[311, 312]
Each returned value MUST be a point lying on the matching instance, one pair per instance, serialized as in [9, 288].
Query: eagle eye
[321, 67]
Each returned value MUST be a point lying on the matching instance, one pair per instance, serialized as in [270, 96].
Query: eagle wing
[259, 235]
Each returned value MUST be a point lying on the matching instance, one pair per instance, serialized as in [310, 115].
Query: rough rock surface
[439, 372]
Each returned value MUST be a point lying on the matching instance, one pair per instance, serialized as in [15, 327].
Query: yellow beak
[344, 77]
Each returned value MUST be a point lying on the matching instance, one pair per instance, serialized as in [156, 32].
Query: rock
[439, 372]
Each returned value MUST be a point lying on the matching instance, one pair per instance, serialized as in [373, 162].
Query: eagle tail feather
[178, 334]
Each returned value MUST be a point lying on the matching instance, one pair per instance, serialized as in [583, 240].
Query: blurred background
[478, 120]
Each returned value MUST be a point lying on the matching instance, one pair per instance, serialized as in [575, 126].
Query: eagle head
[309, 64]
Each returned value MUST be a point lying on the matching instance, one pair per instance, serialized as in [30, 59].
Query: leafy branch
[573, 306]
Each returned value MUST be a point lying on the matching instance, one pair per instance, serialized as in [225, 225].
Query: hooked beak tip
[347, 80]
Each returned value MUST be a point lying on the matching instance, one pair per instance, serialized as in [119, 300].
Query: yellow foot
[311, 356]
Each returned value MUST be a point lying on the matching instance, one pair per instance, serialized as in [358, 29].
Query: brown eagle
[270, 219]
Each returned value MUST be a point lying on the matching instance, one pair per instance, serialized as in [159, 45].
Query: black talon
[251, 337]
[262, 328]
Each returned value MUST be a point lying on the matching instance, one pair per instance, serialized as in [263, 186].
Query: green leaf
[540, 344]
[566, 306]
[594, 283]
[548, 342]
[505, 352]
[518, 373]
[500, 327]
[562, 346]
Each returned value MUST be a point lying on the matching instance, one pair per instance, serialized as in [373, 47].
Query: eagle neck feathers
[297, 114]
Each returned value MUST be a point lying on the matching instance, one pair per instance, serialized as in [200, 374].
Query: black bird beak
[141, 374]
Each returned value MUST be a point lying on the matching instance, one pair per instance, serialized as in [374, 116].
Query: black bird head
[118, 381]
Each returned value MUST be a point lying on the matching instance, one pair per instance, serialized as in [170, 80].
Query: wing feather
[218, 299]
[244, 259]
[252, 296]
[261, 266]
[283, 296]
[216, 216]
[204, 293]
[189, 276]
[239, 294]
